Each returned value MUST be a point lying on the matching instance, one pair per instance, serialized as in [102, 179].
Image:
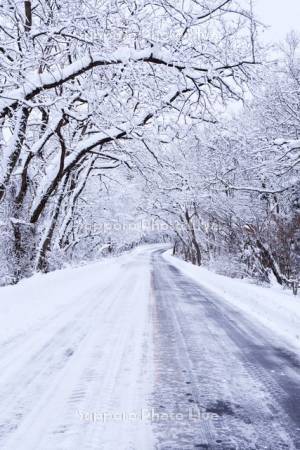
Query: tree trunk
[42, 263]
[28, 15]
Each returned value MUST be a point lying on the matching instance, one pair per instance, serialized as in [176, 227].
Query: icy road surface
[132, 354]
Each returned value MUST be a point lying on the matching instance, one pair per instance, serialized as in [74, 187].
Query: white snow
[292, 143]
[275, 310]
[75, 345]
[35, 81]
[76, 359]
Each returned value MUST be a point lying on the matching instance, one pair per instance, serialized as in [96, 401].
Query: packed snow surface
[92, 357]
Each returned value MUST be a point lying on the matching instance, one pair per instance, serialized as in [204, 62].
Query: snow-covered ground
[74, 344]
[275, 309]
[86, 354]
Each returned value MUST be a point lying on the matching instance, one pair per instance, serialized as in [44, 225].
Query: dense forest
[127, 122]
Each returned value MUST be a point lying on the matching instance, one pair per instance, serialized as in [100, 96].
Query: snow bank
[36, 298]
[276, 310]
[43, 295]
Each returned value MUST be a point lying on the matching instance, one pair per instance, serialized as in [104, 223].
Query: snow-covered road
[64, 379]
[210, 358]
[132, 354]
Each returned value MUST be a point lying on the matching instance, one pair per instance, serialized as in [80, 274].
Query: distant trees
[236, 186]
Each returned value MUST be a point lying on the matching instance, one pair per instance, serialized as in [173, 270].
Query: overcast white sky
[281, 15]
